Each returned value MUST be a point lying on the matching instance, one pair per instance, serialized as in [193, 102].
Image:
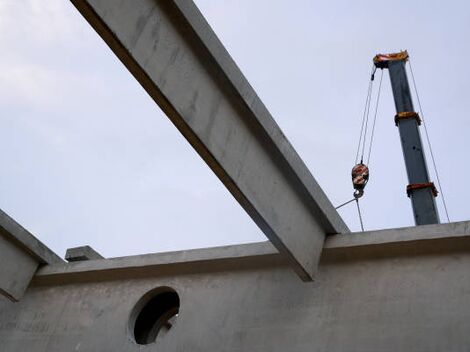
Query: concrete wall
[397, 290]
[17, 268]
[20, 256]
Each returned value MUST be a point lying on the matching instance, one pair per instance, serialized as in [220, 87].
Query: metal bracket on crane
[407, 115]
[411, 187]
[382, 60]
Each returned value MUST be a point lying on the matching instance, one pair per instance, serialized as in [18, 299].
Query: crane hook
[360, 177]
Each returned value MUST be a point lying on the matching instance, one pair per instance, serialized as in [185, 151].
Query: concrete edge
[214, 254]
[397, 235]
[8, 296]
[330, 217]
[21, 237]
[417, 240]
[210, 57]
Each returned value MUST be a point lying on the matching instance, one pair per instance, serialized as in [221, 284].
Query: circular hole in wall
[154, 315]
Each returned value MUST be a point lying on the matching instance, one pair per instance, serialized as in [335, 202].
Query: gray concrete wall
[394, 290]
[20, 255]
[16, 269]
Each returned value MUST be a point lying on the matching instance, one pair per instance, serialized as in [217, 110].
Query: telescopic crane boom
[420, 189]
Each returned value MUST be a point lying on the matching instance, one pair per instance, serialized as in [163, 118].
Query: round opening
[155, 314]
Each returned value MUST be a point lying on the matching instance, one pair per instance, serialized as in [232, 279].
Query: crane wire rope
[367, 120]
[345, 203]
[365, 116]
[375, 117]
[358, 210]
[361, 146]
[360, 215]
[429, 142]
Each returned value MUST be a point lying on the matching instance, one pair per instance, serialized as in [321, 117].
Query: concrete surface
[77, 254]
[20, 255]
[393, 290]
[384, 243]
[23, 238]
[16, 269]
[174, 54]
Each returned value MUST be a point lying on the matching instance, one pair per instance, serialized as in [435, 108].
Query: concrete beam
[20, 255]
[16, 270]
[361, 246]
[174, 54]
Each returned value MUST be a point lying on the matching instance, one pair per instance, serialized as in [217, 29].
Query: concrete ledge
[406, 241]
[237, 257]
[409, 241]
[20, 255]
[10, 229]
[82, 253]
[399, 235]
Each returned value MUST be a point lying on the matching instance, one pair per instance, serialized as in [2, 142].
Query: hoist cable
[367, 116]
[361, 146]
[366, 124]
[369, 89]
[364, 115]
[375, 117]
[358, 210]
[345, 203]
[429, 143]
[360, 215]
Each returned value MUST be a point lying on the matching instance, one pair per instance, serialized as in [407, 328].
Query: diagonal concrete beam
[171, 50]
[20, 256]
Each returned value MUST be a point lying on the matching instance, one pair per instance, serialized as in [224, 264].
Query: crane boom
[420, 189]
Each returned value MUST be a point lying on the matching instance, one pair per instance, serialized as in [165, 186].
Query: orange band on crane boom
[407, 115]
[410, 188]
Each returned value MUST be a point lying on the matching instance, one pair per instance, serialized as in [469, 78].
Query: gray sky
[88, 158]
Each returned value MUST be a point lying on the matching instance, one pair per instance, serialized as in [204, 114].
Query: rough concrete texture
[394, 290]
[77, 254]
[20, 255]
[24, 239]
[384, 243]
[412, 296]
[174, 54]
[16, 269]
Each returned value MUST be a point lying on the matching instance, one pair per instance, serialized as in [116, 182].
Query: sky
[88, 158]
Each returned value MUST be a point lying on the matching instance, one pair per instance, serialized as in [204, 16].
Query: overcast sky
[88, 158]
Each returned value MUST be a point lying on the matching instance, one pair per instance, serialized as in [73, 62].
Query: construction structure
[313, 286]
[421, 191]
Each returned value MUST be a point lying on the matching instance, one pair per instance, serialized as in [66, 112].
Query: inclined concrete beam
[16, 270]
[174, 54]
[20, 255]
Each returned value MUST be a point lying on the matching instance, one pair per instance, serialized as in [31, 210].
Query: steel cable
[429, 143]
[375, 117]
[365, 118]
[360, 215]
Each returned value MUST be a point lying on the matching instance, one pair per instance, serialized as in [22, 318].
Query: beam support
[174, 54]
